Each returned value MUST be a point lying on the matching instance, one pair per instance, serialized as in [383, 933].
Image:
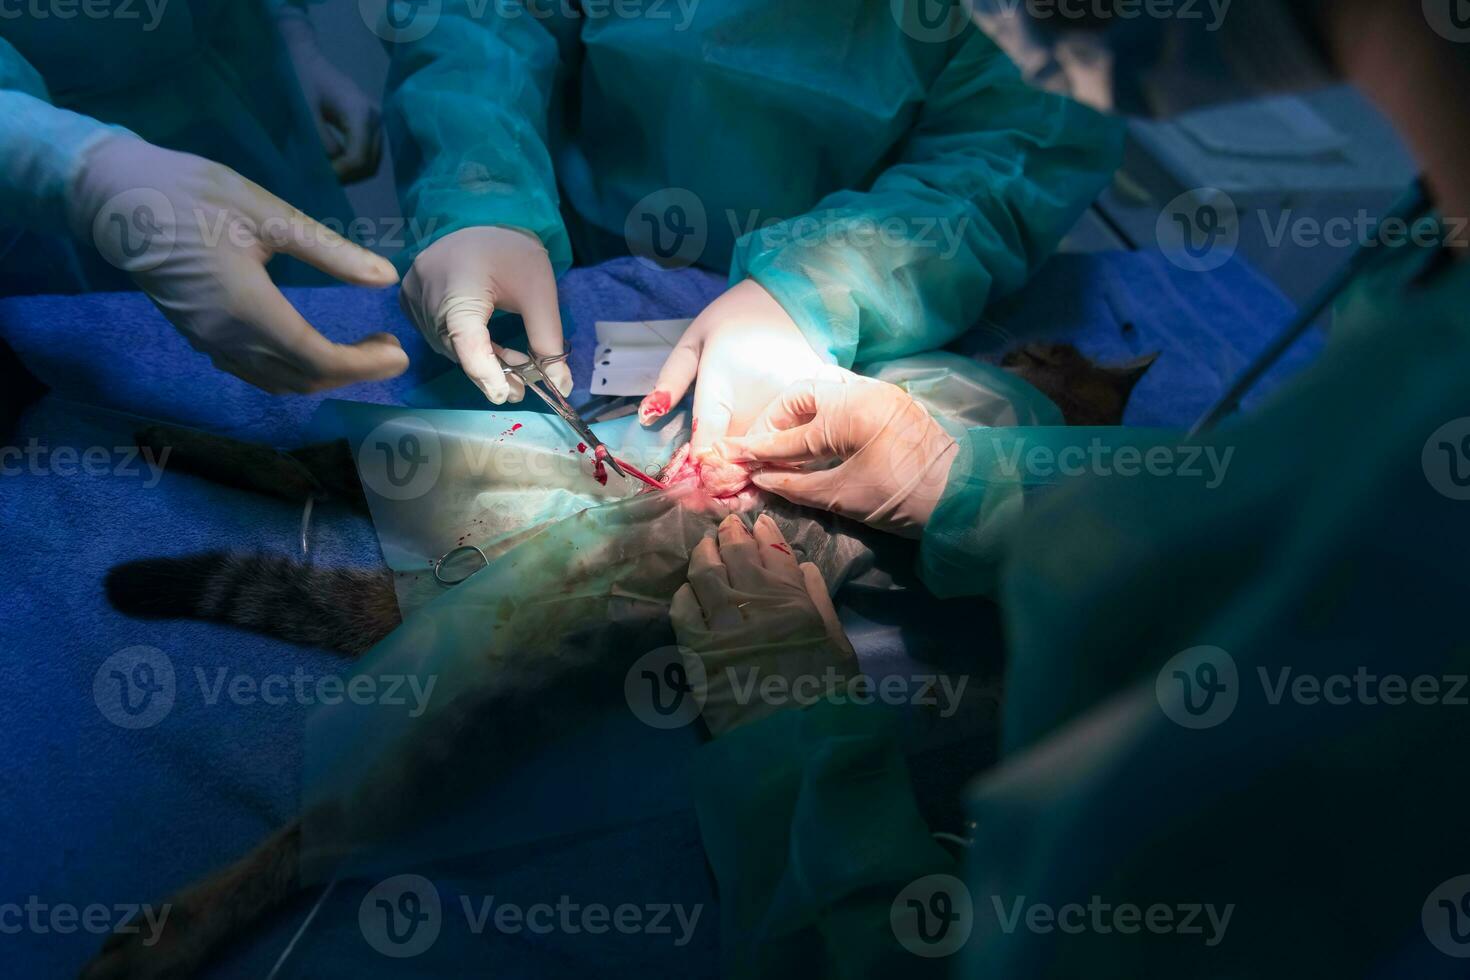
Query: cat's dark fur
[1087, 393]
[342, 609]
[351, 610]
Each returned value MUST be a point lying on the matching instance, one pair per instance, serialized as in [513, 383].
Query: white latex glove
[460, 280]
[348, 121]
[748, 612]
[893, 458]
[196, 237]
[745, 349]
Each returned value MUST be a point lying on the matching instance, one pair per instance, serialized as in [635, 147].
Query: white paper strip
[630, 354]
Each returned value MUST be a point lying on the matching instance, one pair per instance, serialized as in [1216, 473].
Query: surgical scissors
[533, 375]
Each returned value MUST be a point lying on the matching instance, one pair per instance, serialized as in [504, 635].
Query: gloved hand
[196, 236]
[750, 612]
[894, 458]
[745, 349]
[348, 121]
[460, 280]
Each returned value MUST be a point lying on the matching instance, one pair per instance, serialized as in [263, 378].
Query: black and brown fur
[1087, 393]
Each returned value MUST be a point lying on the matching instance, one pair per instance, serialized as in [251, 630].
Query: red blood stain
[782, 548]
[515, 427]
[581, 447]
[656, 405]
[599, 472]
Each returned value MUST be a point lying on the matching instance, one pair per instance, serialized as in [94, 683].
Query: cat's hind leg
[192, 926]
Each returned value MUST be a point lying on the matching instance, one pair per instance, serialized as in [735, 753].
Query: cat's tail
[344, 609]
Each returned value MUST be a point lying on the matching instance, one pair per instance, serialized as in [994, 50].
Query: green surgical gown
[883, 184]
[1308, 788]
[208, 77]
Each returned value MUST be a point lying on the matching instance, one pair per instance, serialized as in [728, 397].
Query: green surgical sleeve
[467, 113]
[811, 828]
[1001, 472]
[993, 175]
[41, 147]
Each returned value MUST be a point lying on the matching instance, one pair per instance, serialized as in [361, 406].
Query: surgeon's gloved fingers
[790, 429]
[712, 415]
[324, 364]
[687, 617]
[275, 378]
[741, 556]
[798, 403]
[317, 245]
[674, 378]
[331, 142]
[711, 582]
[357, 120]
[816, 588]
[819, 490]
[510, 357]
[410, 302]
[775, 553]
[802, 444]
[469, 340]
[542, 317]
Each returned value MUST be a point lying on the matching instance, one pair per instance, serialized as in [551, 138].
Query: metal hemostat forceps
[534, 378]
